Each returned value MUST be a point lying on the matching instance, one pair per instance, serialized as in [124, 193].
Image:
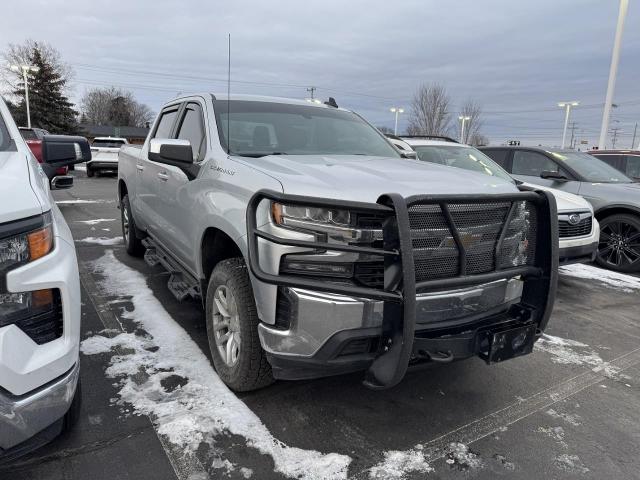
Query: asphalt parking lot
[569, 410]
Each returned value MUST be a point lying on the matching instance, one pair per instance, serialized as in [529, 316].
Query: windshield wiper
[257, 154]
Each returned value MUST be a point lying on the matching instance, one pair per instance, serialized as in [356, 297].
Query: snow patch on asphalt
[78, 201]
[201, 408]
[570, 463]
[570, 418]
[398, 463]
[555, 433]
[460, 455]
[572, 352]
[95, 221]
[102, 240]
[626, 283]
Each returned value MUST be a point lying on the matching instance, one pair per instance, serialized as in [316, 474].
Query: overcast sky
[518, 59]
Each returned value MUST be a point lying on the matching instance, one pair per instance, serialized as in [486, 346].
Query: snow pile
[609, 278]
[397, 463]
[77, 201]
[96, 221]
[572, 352]
[570, 418]
[102, 240]
[556, 433]
[570, 463]
[460, 455]
[203, 407]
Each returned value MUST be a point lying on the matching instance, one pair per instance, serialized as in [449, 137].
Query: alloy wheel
[226, 325]
[619, 244]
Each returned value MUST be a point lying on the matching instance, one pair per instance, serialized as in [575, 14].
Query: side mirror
[412, 155]
[63, 150]
[171, 152]
[61, 182]
[551, 175]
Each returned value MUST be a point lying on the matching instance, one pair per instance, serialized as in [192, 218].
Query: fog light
[317, 268]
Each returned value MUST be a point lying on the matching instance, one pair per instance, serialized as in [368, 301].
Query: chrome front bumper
[317, 316]
[22, 417]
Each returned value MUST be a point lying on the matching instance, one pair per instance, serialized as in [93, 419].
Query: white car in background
[39, 292]
[104, 154]
[578, 229]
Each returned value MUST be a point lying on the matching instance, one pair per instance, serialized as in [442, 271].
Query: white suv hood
[350, 177]
[565, 201]
[17, 198]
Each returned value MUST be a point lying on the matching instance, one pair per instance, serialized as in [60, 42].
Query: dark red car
[33, 138]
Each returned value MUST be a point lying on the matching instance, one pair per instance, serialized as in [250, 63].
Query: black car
[614, 196]
[627, 161]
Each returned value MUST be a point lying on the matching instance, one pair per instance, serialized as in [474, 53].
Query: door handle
[163, 176]
[140, 167]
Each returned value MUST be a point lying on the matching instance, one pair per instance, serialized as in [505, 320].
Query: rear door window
[501, 157]
[165, 124]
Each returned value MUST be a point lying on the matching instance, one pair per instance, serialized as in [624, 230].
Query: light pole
[613, 70]
[397, 111]
[463, 119]
[567, 106]
[25, 69]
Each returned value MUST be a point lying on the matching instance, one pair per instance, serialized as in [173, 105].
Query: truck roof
[259, 98]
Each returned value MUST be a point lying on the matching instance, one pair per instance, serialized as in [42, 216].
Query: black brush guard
[400, 285]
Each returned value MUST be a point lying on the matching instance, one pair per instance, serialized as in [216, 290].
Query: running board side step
[181, 283]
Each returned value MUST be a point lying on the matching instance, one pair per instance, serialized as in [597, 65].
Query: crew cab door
[177, 196]
[146, 199]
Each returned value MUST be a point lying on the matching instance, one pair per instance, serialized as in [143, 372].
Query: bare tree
[478, 140]
[385, 130]
[21, 54]
[430, 111]
[473, 111]
[113, 106]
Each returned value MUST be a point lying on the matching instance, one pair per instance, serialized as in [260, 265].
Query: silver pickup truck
[317, 249]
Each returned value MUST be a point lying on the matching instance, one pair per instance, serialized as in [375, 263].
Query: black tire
[129, 229]
[251, 370]
[73, 414]
[90, 172]
[619, 246]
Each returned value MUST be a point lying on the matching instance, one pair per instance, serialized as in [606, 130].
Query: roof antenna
[229, 97]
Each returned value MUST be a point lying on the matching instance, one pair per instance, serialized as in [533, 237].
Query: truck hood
[565, 201]
[362, 178]
[17, 198]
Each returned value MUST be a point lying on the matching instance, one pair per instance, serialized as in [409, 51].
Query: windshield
[107, 143]
[270, 128]
[590, 168]
[458, 156]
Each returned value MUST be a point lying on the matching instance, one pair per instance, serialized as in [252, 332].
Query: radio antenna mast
[229, 97]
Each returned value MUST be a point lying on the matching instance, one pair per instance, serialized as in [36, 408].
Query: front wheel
[619, 246]
[232, 328]
[90, 172]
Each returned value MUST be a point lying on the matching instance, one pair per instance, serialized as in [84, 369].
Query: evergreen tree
[50, 108]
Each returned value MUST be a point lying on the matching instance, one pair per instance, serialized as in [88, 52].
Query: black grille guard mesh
[477, 251]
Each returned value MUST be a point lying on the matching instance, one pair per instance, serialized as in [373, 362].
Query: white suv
[39, 293]
[578, 229]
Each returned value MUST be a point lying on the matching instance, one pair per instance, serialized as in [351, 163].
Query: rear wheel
[619, 246]
[232, 328]
[129, 231]
[90, 172]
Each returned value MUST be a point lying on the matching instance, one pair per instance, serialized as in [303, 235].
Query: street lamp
[463, 119]
[613, 70]
[567, 106]
[397, 111]
[25, 69]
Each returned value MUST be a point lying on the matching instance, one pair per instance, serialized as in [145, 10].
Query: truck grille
[479, 227]
[583, 227]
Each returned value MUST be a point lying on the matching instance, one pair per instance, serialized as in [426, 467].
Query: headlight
[25, 247]
[338, 225]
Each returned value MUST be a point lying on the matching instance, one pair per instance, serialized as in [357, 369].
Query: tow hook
[441, 357]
